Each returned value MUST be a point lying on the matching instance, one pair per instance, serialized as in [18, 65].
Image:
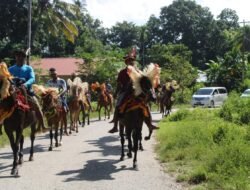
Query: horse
[167, 99]
[53, 111]
[16, 114]
[74, 102]
[104, 99]
[133, 117]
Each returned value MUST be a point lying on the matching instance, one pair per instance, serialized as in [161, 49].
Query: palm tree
[55, 17]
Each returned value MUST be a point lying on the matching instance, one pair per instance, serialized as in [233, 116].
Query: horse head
[49, 97]
[5, 78]
[145, 81]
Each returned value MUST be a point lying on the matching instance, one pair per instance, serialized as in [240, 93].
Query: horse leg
[13, 147]
[56, 135]
[20, 160]
[121, 127]
[61, 134]
[77, 116]
[130, 147]
[135, 139]
[51, 139]
[83, 116]
[64, 121]
[88, 116]
[140, 143]
[71, 122]
[32, 138]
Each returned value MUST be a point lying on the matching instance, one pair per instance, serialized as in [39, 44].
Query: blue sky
[138, 11]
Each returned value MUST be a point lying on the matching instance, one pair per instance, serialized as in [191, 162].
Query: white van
[209, 97]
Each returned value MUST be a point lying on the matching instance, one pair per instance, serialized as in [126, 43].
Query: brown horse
[133, 118]
[74, 102]
[104, 99]
[167, 99]
[53, 112]
[16, 115]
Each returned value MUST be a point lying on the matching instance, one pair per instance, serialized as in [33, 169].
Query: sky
[138, 11]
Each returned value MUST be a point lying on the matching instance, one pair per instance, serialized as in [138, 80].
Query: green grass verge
[204, 149]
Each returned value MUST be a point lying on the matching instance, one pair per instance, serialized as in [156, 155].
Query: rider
[26, 73]
[124, 88]
[59, 83]
[109, 87]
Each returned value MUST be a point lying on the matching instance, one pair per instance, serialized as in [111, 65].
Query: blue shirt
[60, 84]
[25, 72]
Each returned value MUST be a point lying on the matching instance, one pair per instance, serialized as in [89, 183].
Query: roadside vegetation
[208, 148]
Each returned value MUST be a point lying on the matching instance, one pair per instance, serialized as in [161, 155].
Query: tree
[228, 19]
[124, 35]
[190, 24]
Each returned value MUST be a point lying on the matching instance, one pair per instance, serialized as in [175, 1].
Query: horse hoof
[146, 138]
[141, 148]
[14, 172]
[50, 148]
[70, 132]
[20, 162]
[56, 145]
[134, 165]
[60, 143]
[121, 159]
[31, 159]
[129, 155]
[76, 131]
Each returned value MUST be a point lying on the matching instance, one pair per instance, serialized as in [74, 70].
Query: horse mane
[152, 72]
[5, 81]
[173, 83]
[41, 90]
[95, 86]
[103, 87]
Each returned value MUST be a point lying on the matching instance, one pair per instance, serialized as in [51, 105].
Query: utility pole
[29, 32]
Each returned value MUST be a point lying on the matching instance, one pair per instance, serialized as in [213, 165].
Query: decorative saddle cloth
[20, 103]
[132, 103]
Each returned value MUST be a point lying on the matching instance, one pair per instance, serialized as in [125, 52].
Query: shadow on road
[105, 145]
[95, 170]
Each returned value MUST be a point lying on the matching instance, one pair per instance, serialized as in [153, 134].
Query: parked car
[246, 94]
[209, 97]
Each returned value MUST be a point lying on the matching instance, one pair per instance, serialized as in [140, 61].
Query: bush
[236, 110]
[198, 176]
[178, 116]
[206, 148]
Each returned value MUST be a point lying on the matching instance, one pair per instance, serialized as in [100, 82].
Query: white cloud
[112, 11]
[139, 11]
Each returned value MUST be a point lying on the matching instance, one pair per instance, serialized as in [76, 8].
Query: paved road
[87, 160]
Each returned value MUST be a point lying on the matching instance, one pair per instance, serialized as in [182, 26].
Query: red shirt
[123, 78]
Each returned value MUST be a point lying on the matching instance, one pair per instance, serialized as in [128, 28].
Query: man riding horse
[25, 74]
[124, 89]
[60, 84]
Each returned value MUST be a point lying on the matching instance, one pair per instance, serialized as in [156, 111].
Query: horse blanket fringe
[132, 103]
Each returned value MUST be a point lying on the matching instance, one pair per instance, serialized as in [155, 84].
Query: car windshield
[247, 92]
[204, 92]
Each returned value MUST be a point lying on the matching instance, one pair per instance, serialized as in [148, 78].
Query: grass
[204, 149]
[4, 139]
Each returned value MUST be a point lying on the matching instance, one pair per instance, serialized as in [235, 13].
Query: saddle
[132, 103]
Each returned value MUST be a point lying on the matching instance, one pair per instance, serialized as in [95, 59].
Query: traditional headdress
[131, 55]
